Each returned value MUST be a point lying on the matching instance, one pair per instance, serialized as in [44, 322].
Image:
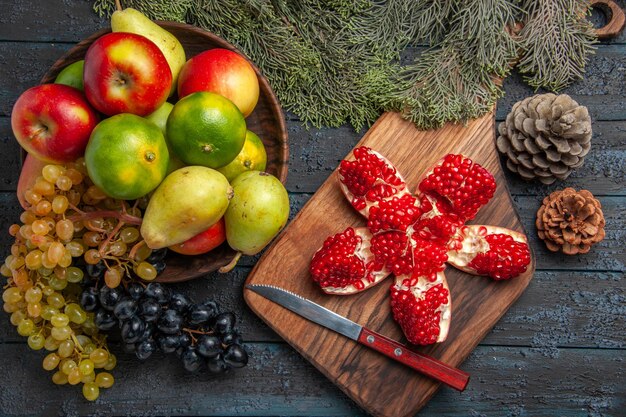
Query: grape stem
[110, 236]
[123, 217]
[134, 249]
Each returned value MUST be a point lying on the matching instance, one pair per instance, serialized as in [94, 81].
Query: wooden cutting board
[379, 385]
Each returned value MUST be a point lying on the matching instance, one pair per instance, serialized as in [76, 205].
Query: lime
[126, 156]
[72, 75]
[251, 158]
[206, 129]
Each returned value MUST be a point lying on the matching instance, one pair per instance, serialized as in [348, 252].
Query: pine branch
[337, 61]
[441, 87]
[557, 40]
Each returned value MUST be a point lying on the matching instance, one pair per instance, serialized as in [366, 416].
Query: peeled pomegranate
[493, 251]
[345, 264]
[414, 236]
[369, 179]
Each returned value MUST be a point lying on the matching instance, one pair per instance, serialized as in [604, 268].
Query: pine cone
[570, 221]
[545, 136]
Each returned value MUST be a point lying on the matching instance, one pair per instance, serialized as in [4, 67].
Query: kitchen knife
[424, 364]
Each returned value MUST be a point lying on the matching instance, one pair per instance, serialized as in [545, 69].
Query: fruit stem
[125, 217]
[118, 5]
[110, 237]
[231, 264]
[135, 248]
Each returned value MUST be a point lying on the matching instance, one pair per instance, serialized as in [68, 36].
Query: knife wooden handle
[431, 367]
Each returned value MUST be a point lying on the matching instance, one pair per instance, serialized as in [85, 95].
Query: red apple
[31, 169]
[53, 122]
[126, 73]
[203, 242]
[223, 72]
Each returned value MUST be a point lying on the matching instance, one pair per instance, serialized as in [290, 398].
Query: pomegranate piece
[345, 264]
[368, 179]
[458, 186]
[397, 213]
[405, 255]
[491, 251]
[422, 308]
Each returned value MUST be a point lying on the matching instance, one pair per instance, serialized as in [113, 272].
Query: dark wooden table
[559, 351]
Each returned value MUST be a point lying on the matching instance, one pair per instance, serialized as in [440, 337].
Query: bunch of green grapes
[69, 223]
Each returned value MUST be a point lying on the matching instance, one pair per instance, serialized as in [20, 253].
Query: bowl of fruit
[152, 152]
[206, 63]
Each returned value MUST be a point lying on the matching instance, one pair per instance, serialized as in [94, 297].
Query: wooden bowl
[266, 120]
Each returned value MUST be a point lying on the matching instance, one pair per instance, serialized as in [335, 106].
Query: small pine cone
[570, 221]
[545, 136]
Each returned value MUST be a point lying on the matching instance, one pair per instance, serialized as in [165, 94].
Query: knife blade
[316, 313]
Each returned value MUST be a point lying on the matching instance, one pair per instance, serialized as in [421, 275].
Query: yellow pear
[187, 202]
[133, 21]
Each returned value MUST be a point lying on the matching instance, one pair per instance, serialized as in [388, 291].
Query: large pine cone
[570, 221]
[545, 136]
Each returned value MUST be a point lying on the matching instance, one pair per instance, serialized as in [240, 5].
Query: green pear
[258, 210]
[187, 202]
[159, 118]
[133, 21]
[72, 75]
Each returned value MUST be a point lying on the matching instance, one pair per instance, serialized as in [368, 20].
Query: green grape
[43, 271]
[5, 271]
[74, 275]
[75, 248]
[56, 283]
[111, 362]
[105, 380]
[91, 391]
[129, 234]
[83, 340]
[142, 253]
[52, 172]
[99, 356]
[47, 290]
[67, 365]
[74, 376]
[59, 205]
[33, 260]
[17, 316]
[48, 311]
[89, 347]
[66, 348]
[51, 344]
[66, 259]
[51, 361]
[146, 271]
[64, 183]
[75, 313]
[60, 320]
[26, 327]
[11, 307]
[86, 366]
[61, 333]
[56, 300]
[59, 378]
[33, 295]
[33, 309]
[36, 341]
[12, 295]
[88, 378]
